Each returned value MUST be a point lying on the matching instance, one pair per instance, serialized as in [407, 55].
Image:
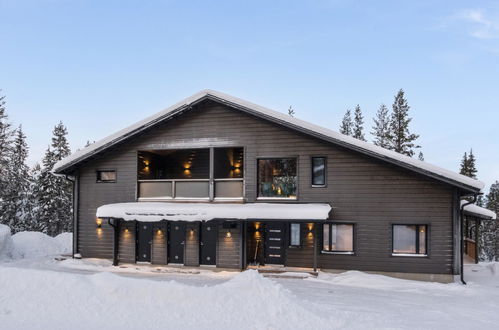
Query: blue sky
[101, 65]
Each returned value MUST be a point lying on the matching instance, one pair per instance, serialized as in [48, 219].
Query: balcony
[208, 174]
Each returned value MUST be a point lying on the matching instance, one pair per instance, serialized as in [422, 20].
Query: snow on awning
[157, 211]
[479, 211]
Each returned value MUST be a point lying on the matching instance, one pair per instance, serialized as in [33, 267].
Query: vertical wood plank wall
[127, 244]
[191, 257]
[371, 193]
[159, 255]
[229, 249]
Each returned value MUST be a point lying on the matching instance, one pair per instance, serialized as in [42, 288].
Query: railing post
[212, 171]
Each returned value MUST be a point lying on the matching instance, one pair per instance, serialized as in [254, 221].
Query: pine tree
[291, 111]
[32, 221]
[381, 128]
[489, 230]
[493, 198]
[5, 154]
[421, 156]
[358, 127]
[468, 165]
[464, 165]
[16, 209]
[54, 192]
[401, 140]
[346, 127]
[472, 171]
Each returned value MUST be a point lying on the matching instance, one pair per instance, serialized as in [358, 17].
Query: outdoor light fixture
[228, 235]
[99, 222]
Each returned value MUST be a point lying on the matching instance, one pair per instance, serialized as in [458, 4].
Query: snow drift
[105, 300]
[30, 244]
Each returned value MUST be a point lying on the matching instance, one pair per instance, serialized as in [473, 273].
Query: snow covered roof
[157, 211]
[479, 211]
[282, 119]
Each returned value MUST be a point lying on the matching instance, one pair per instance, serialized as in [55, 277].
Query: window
[277, 178]
[318, 171]
[106, 176]
[295, 235]
[338, 238]
[409, 239]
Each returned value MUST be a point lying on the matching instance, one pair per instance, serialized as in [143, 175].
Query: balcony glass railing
[190, 189]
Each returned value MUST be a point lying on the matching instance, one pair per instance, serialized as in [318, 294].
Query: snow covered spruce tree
[346, 126]
[5, 154]
[17, 189]
[358, 125]
[491, 239]
[53, 193]
[381, 128]
[401, 139]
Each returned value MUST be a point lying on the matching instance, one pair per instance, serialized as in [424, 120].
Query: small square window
[318, 171]
[295, 235]
[410, 239]
[337, 238]
[106, 176]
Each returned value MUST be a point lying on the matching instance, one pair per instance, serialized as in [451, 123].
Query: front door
[274, 243]
[176, 243]
[208, 243]
[144, 241]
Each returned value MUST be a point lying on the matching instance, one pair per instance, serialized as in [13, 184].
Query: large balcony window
[205, 174]
[277, 178]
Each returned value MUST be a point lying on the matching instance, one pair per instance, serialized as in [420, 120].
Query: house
[218, 181]
[480, 241]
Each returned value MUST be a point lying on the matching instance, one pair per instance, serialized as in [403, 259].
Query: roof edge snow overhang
[172, 211]
[64, 165]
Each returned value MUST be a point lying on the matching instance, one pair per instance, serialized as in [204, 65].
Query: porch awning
[479, 211]
[157, 211]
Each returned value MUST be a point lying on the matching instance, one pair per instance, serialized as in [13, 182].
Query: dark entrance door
[274, 243]
[208, 243]
[176, 243]
[144, 241]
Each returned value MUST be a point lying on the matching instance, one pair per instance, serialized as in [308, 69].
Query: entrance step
[286, 272]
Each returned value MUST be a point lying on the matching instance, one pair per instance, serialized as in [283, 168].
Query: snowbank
[6, 243]
[105, 300]
[31, 244]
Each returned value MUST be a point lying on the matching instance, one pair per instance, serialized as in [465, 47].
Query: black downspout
[74, 206]
[115, 223]
[462, 235]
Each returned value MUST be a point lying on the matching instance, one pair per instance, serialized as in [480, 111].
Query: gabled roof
[322, 133]
[478, 211]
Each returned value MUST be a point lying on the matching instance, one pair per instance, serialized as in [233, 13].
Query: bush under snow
[30, 244]
[6, 243]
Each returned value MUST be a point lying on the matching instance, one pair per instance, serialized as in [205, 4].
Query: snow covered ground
[40, 292]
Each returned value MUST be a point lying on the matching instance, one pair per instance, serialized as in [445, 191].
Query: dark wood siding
[302, 256]
[229, 249]
[191, 257]
[371, 193]
[159, 253]
[127, 244]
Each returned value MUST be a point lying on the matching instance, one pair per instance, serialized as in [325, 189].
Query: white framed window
[338, 238]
